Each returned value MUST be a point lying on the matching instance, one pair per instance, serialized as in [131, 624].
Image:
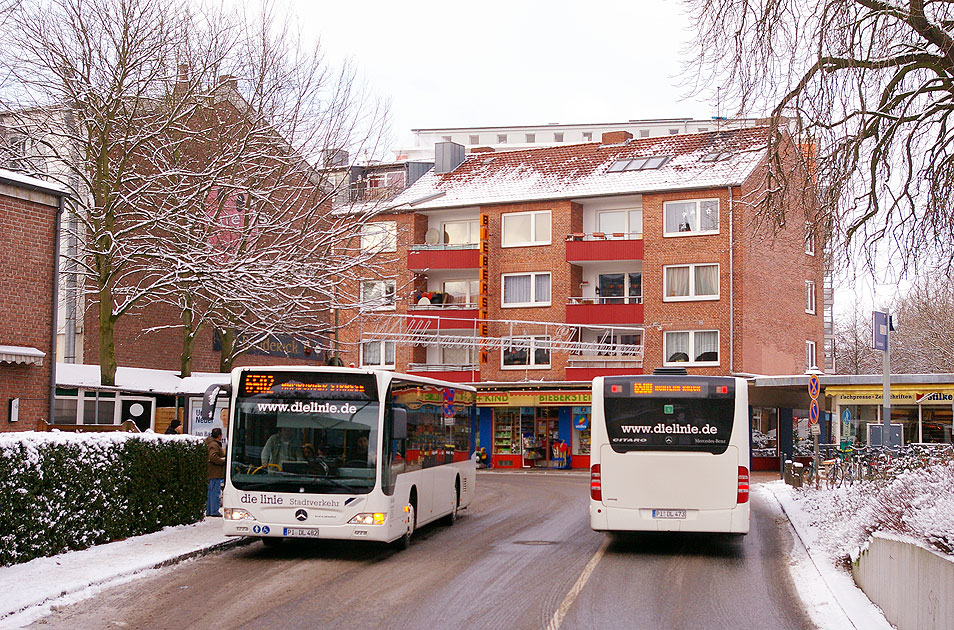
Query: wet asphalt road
[522, 557]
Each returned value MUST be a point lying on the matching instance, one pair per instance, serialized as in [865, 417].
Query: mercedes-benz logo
[301, 515]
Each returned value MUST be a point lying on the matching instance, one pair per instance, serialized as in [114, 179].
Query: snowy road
[523, 556]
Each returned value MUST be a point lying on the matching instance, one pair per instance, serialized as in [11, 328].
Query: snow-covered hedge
[63, 491]
[914, 502]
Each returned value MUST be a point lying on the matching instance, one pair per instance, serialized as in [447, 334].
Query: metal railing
[442, 367]
[604, 236]
[635, 299]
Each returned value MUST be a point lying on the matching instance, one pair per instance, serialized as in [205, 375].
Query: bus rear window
[669, 424]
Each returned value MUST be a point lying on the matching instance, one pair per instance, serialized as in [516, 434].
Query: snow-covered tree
[867, 87]
[186, 134]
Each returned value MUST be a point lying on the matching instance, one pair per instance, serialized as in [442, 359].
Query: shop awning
[21, 354]
[901, 392]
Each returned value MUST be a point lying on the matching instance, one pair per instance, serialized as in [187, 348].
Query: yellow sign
[532, 399]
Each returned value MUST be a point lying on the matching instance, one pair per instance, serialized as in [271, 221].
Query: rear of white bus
[670, 453]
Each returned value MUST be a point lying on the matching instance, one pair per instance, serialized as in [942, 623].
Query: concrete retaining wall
[911, 584]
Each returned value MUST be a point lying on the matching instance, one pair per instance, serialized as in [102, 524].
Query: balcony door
[620, 288]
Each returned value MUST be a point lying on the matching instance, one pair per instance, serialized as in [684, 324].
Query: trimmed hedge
[63, 491]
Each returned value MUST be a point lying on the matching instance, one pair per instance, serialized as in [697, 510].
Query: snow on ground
[828, 526]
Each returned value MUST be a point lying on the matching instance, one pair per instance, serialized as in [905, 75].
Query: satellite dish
[432, 236]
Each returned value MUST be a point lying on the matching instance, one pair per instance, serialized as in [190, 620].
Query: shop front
[530, 427]
[922, 412]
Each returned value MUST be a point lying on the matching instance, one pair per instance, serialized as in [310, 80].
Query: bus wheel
[404, 542]
[271, 543]
[451, 518]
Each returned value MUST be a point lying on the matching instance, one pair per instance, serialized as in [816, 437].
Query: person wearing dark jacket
[216, 471]
[173, 427]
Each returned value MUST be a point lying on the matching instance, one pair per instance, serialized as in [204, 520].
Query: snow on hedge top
[583, 170]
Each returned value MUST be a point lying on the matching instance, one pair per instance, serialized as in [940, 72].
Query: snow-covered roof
[581, 170]
[137, 379]
[25, 181]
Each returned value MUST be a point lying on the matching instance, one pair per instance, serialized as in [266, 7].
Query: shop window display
[764, 432]
[581, 431]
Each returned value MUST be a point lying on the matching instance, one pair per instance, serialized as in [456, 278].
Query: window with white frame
[525, 352]
[501, 138]
[474, 139]
[682, 283]
[558, 136]
[620, 223]
[810, 297]
[689, 218]
[526, 228]
[525, 289]
[620, 288]
[461, 292]
[377, 353]
[379, 237]
[691, 347]
[378, 294]
[464, 232]
[531, 138]
[809, 239]
[810, 358]
[587, 136]
[456, 355]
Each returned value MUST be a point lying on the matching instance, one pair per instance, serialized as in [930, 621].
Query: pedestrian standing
[216, 471]
[173, 427]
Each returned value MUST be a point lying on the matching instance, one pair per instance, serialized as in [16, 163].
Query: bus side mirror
[209, 400]
[400, 423]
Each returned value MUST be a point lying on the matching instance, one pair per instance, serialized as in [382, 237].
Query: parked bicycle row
[845, 463]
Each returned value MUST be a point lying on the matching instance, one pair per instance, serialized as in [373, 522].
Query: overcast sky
[513, 62]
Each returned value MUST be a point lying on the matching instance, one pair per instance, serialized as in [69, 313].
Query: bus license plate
[301, 532]
[669, 514]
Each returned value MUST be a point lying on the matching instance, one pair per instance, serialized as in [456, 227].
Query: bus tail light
[743, 485]
[596, 485]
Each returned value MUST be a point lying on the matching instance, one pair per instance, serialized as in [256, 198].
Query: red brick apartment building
[29, 212]
[530, 272]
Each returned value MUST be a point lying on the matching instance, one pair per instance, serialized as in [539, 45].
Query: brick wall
[27, 256]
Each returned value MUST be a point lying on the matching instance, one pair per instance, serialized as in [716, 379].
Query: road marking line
[558, 616]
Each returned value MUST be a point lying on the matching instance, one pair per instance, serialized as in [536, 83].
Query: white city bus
[669, 453]
[350, 454]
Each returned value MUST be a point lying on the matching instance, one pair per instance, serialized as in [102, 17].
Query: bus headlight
[376, 518]
[236, 514]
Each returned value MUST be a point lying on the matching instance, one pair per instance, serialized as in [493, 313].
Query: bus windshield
[643, 416]
[317, 433]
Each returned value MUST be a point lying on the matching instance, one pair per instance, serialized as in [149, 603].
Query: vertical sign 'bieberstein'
[483, 304]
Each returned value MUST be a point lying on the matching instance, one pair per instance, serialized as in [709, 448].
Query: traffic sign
[880, 325]
[814, 387]
[813, 412]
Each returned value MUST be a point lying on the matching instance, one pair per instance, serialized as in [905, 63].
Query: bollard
[797, 475]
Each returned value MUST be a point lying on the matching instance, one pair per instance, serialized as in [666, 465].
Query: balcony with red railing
[446, 372]
[586, 367]
[604, 310]
[437, 317]
[423, 257]
[603, 246]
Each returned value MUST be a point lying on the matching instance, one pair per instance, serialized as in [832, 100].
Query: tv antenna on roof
[719, 118]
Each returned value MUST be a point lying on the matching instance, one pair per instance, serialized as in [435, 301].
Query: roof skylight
[716, 156]
[639, 164]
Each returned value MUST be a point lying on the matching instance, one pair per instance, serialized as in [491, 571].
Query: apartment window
[461, 292]
[525, 352]
[379, 237]
[644, 133]
[526, 228]
[377, 353]
[810, 297]
[811, 361]
[474, 139]
[691, 347]
[620, 223]
[525, 289]
[531, 138]
[460, 232]
[690, 282]
[378, 294]
[453, 355]
[809, 239]
[620, 288]
[501, 138]
[587, 136]
[558, 137]
[673, 132]
[611, 344]
[689, 218]
[702, 129]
